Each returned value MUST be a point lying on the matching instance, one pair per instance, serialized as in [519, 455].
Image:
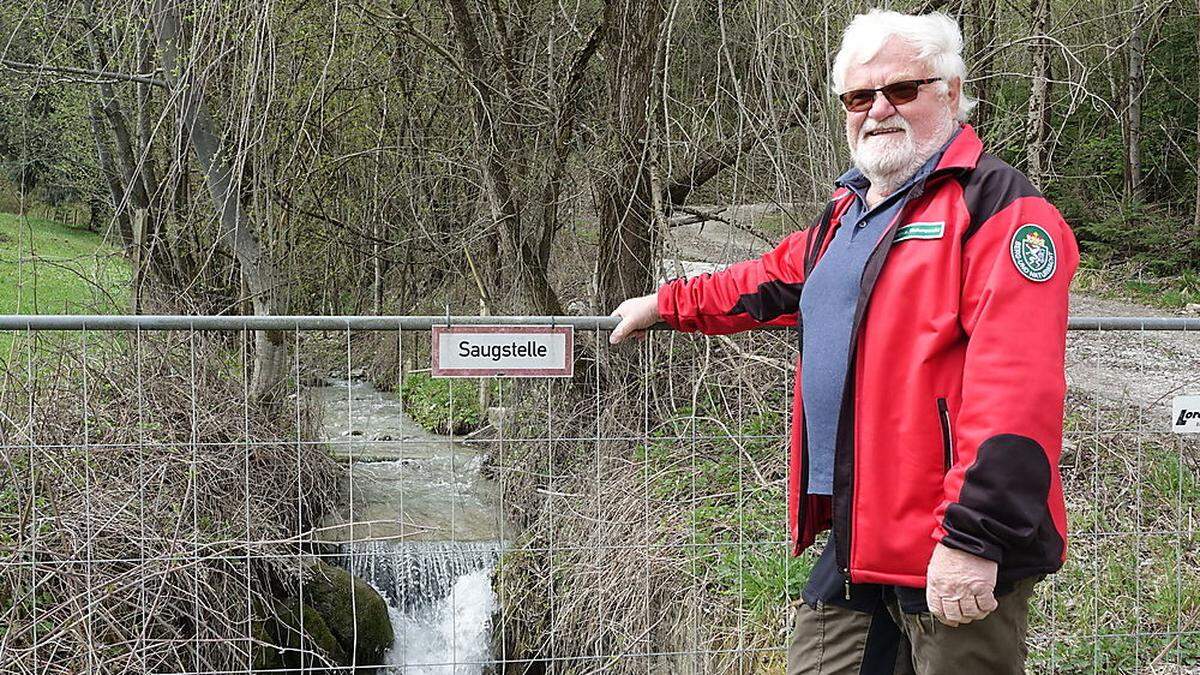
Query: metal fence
[155, 518]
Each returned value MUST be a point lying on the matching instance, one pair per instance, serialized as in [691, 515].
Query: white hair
[935, 36]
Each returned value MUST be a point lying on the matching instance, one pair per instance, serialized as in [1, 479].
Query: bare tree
[1036, 134]
[1135, 83]
[220, 165]
[624, 188]
[983, 61]
[132, 178]
[488, 79]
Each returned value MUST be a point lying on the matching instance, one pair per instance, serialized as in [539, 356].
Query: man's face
[888, 138]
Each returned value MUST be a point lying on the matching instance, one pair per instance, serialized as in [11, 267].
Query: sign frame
[437, 371]
[1185, 414]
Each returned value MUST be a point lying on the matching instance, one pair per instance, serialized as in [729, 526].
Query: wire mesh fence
[156, 517]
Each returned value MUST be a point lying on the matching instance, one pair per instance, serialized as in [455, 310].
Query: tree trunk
[258, 272]
[145, 123]
[531, 273]
[112, 176]
[132, 157]
[376, 271]
[626, 263]
[139, 194]
[1036, 135]
[984, 61]
[564, 132]
[1133, 141]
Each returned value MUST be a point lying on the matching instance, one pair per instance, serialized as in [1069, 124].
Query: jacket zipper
[947, 434]
[812, 256]
[847, 499]
[810, 261]
[803, 491]
[847, 420]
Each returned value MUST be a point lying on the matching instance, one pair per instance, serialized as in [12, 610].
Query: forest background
[530, 157]
[230, 149]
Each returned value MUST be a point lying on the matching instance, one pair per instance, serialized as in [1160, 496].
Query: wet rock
[355, 614]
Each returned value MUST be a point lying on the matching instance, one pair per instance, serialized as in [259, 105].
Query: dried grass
[616, 568]
[148, 514]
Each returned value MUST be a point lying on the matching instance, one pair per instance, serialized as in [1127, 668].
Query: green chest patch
[920, 231]
[1032, 252]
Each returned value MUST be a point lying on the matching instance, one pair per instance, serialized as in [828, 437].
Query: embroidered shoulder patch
[920, 231]
[1033, 253]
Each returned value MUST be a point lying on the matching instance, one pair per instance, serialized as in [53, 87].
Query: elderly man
[931, 299]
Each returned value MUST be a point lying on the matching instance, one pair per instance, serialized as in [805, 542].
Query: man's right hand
[637, 314]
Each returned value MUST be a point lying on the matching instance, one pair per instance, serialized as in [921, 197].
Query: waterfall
[440, 599]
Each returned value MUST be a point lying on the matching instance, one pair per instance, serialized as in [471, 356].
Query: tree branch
[22, 67]
[564, 131]
[687, 182]
[694, 216]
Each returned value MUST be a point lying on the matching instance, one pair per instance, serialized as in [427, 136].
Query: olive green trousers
[832, 640]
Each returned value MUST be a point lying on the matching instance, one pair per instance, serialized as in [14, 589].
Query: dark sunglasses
[861, 100]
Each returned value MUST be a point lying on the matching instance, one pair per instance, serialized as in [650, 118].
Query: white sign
[511, 351]
[1185, 415]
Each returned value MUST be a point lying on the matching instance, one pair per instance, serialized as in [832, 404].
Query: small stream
[423, 527]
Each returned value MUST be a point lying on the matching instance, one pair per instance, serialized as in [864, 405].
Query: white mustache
[895, 126]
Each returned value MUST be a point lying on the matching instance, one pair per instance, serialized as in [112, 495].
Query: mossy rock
[287, 649]
[365, 613]
[267, 657]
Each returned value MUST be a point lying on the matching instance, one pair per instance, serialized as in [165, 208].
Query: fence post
[485, 391]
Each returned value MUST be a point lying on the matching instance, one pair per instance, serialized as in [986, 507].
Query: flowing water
[422, 526]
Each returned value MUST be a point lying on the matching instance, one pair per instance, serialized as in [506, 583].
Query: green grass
[780, 225]
[1166, 293]
[1128, 281]
[51, 268]
[1132, 579]
[47, 267]
[429, 402]
[735, 520]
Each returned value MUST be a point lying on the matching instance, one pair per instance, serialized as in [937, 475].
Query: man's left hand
[959, 586]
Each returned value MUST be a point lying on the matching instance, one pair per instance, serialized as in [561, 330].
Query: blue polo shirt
[827, 306]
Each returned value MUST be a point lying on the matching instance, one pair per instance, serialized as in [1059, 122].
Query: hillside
[51, 268]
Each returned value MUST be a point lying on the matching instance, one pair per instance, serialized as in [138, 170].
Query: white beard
[890, 160]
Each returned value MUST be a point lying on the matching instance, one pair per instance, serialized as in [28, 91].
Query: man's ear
[954, 95]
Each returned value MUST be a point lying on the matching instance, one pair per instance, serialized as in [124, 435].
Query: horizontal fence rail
[376, 323]
[631, 520]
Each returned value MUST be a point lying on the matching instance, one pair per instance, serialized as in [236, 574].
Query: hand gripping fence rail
[156, 517]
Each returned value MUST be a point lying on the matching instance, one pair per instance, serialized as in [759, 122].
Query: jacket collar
[962, 153]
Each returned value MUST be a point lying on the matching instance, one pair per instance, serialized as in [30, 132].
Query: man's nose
[881, 108]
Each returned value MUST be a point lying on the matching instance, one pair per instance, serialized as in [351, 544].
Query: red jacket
[951, 425]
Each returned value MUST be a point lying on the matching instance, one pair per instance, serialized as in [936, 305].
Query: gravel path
[1142, 368]
[708, 246]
